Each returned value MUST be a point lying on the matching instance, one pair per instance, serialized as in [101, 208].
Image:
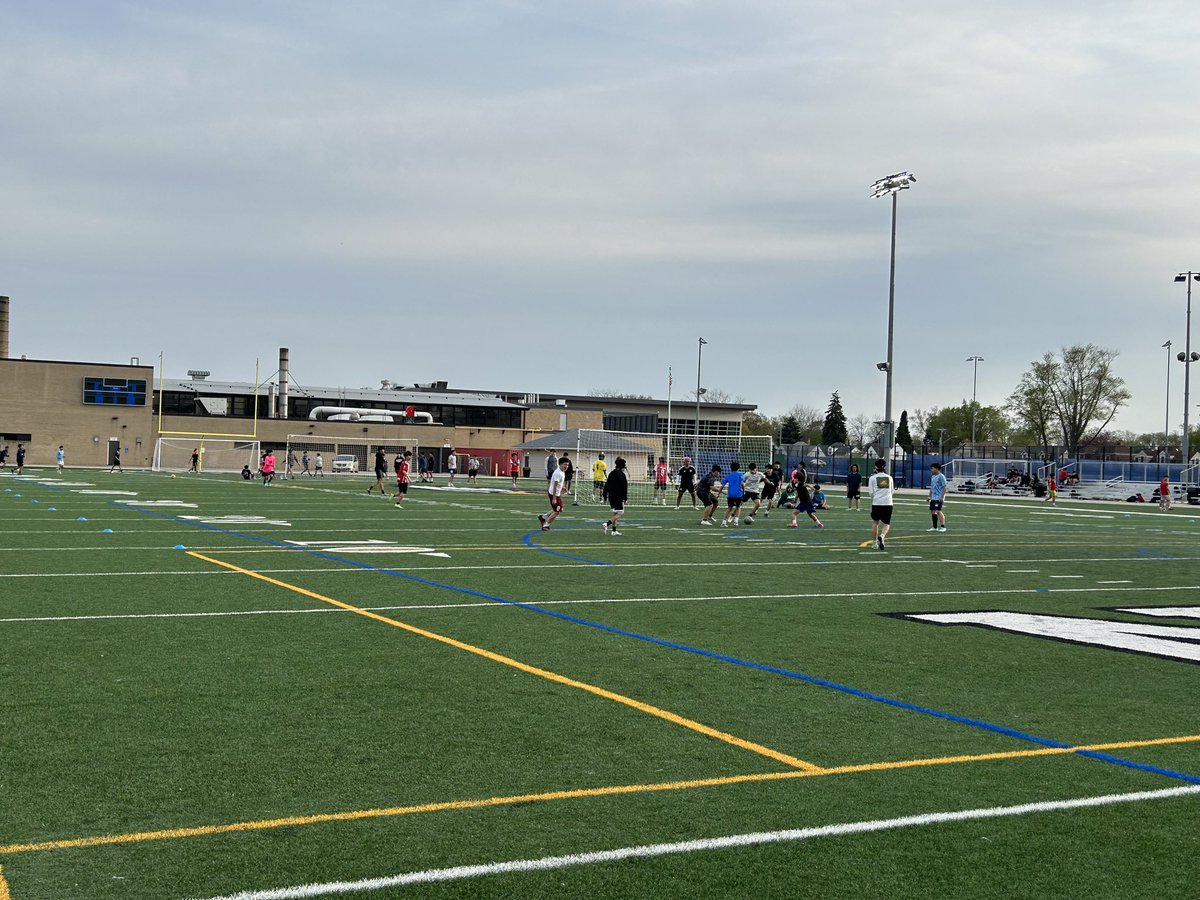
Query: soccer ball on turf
[172, 476]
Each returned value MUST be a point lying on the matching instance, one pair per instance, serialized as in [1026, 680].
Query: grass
[183, 728]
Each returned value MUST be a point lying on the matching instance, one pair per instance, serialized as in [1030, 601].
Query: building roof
[203, 386]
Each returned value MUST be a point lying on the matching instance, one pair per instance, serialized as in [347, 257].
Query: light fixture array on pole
[974, 385]
[891, 185]
[1187, 357]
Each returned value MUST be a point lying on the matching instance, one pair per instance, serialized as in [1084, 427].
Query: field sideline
[212, 689]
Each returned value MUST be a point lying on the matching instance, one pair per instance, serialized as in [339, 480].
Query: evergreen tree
[903, 438]
[834, 430]
[789, 430]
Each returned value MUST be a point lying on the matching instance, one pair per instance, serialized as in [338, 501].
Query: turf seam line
[725, 842]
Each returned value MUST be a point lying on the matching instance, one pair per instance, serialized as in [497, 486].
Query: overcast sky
[561, 196]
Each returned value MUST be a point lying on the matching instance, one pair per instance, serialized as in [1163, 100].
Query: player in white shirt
[451, 467]
[556, 489]
[752, 487]
[879, 486]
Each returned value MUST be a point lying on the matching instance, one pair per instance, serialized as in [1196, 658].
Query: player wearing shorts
[662, 475]
[473, 471]
[1164, 495]
[451, 468]
[754, 485]
[1051, 491]
[804, 501]
[556, 490]
[709, 491]
[268, 468]
[937, 498]
[734, 484]
[879, 486]
[599, 474]
[687, 481]
[854, 489]
[616, 491]
[771, 481]
[514, 466]
[570, 475]
[403, 467]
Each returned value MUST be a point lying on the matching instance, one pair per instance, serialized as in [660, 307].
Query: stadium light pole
[891, 186]
[974, 387]
[699, 356]
[1186, 358]
[1167, 415]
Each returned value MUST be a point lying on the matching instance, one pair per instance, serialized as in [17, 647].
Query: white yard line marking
[1126, 581]
[1066, 576]
[488, 604]
[752, 839]
[1023, 571]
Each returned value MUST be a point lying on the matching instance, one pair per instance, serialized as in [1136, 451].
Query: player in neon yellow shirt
[599, 475]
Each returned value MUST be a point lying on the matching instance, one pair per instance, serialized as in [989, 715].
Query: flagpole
[670, 381]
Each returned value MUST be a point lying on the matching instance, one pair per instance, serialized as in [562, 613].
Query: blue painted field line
[709, 654]
[527, 540]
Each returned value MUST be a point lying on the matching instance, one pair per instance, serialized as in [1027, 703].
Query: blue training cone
[180, 547]
[107, 531]
[51, 509]
[33, 501]
[81, 519]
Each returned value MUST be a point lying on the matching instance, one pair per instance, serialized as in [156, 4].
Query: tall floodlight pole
[1186, 358]
[891, 186]
[699, 356]
[1167, 415]
[974, 386]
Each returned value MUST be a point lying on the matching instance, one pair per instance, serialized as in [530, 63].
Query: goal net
[642, 453]
[174, 454]
[337, 455]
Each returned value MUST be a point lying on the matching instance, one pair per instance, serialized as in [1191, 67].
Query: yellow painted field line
[666, 715]
[4, 894]
[580, 793]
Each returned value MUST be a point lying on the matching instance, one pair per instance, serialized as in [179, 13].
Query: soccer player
[854, 488]
[599, 474]
[291, 464]
[1164, 495]
[820, 501]
[268, 467]
[754, 484]
[116, 466]
[514, 466]
[733, 483]
[60, 457]
[616, 491]
[20, 458]
[570, 476]
[195, 461]
[472, 470]
[804, 501]
[305, 470]
[880, 487]
[403, 468]
[937, 498]
[662, 474]
[687, 481]
[451, 468]
[709, 491]
[3, 456]
[1051, 490]
[320, 466]
[380, 473]
[556, 490]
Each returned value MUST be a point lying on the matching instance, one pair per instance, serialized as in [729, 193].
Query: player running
[879, 486]
[733, 482]
[709, 491]
[755, 485]
[555, 491]
[403, 466]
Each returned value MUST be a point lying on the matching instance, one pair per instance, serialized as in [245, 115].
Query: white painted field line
[646, 851]
[488, 604]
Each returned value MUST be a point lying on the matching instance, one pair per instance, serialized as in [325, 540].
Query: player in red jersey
[403, 467]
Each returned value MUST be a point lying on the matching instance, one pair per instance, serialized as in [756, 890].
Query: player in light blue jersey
[937, 498]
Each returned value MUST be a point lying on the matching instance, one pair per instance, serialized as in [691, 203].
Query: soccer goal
[174, 454]
[642, 453]
[336, 455]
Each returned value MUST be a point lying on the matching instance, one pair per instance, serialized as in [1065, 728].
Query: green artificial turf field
[211, 689]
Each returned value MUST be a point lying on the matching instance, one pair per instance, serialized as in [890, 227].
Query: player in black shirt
[687, 481]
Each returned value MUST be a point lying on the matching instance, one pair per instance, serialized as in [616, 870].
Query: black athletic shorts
[768, 491]
[706, 498]
[935, 505]
[402, 487]
[616, 505]
[881, 514]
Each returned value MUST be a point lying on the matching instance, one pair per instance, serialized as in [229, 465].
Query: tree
[789, 430]
[808, 420]
[617, 395]
[1073, 397]
[951, 426]
[714, 395]
[903, 438]
[755, 422]
[833, 431]
[859, 430]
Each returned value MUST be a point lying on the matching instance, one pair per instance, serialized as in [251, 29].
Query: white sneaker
[735, 521]
[931, 529]
[606, 528]
[724, 523]
[943, 528]
[614, 531]
[706, 521]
